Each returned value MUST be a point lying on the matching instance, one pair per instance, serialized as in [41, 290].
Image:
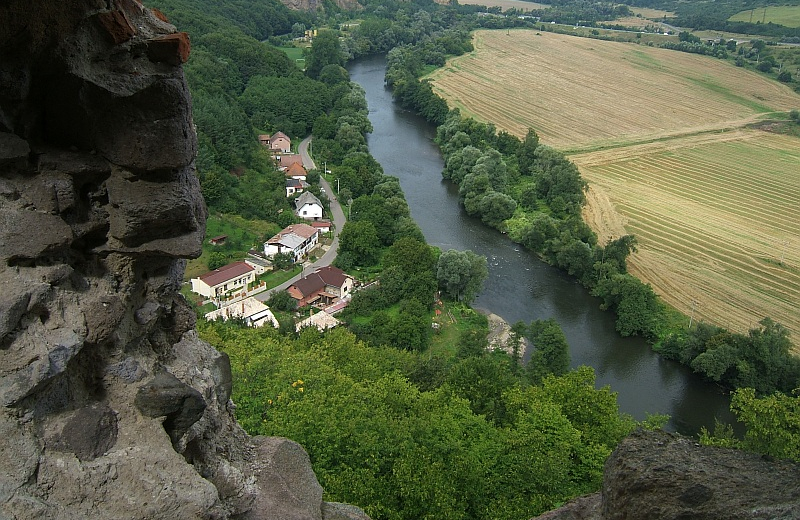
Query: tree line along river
[520, 287]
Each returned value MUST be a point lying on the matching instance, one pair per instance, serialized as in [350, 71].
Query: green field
[786, 15]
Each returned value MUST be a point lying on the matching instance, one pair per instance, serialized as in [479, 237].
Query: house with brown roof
[286, 160]
[297, 239]
[278, 142]
[296, 171]
[227, 278]
[323, 287]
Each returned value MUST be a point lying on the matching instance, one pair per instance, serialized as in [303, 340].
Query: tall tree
[325, 50]
[550, 350]
[461, 274]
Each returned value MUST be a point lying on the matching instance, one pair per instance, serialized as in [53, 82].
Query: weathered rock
[171, 48]
[18, 243]
[89, 433]
[111, 407]
[167, 396]
[292, 492]
[13, 150]
[658, 475]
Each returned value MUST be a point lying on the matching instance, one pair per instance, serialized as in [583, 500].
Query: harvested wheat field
[581, 94]
[717, 218]
[660, 136]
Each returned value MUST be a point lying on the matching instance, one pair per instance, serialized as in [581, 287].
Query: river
[521, 287]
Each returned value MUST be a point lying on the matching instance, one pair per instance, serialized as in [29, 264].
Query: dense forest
[402, 430]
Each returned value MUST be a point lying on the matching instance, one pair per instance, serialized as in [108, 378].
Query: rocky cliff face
[111, 405]
[658, 475]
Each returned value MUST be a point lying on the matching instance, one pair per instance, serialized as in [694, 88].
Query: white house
[297, 239]
[227, 278]
[295, 186]
[307, 206]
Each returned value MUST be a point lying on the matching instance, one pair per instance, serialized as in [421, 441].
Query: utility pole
[783, 251]
[691, 318]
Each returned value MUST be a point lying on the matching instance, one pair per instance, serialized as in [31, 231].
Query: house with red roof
[323, 226]
[227, 278]
[297, 239]
[296, 171]
[321, 288]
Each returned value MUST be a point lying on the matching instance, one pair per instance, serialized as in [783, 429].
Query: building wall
[281, 144]
[312, 211]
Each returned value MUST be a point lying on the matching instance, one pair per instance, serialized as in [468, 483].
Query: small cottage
[307, 206]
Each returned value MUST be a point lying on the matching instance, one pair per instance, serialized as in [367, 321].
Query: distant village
[233, 288]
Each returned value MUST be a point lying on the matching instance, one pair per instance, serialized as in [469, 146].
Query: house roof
[249, 308]
[296, 169]
[321, 320]
[321, 224]
[319, 279]
[225, 273]
[279, 134]
[294, 235]
[294, 183]
[306, 198]
[332, 275]
[304, 230]
[290, 159]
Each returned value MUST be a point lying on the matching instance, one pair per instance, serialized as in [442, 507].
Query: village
[320, 290]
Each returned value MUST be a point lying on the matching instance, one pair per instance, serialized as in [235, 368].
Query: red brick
[171, 48]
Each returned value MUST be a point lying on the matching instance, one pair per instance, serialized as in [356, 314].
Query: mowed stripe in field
[713, 220]
[580, 93]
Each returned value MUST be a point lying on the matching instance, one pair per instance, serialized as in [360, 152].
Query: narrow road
[338, 220]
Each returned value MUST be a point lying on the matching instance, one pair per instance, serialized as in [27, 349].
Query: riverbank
[499, 337]
[520, 287]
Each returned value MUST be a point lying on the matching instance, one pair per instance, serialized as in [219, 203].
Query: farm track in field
[661, 138]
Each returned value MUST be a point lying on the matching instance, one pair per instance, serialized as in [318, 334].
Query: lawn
[242, 236]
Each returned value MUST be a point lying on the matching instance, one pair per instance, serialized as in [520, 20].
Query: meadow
[786, 15]
[662, 137]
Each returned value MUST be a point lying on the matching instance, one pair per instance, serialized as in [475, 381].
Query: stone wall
[111, 405]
